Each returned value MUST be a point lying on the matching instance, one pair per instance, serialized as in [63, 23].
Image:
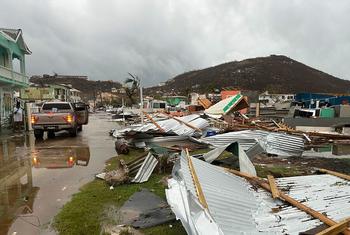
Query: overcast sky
[158, 39]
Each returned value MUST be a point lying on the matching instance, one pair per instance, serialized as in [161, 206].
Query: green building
[175, 100]
[12, 68]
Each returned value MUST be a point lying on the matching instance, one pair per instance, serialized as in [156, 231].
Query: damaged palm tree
[131, 86]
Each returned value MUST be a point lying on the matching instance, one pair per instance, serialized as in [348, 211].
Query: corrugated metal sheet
[146, 169]
[273, 143]
[325, 193]
[169, 126]
[227, 105]
[236, 208]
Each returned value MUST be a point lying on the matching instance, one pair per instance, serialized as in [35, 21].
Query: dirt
[306, 165]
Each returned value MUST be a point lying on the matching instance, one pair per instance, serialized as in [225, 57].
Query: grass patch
[84, 213]
[277, 171]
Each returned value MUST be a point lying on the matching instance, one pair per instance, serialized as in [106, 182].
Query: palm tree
[131, 86]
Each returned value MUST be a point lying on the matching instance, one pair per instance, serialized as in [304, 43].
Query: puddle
[38, 177]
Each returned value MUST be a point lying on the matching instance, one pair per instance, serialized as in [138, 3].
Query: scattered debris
[136, 171]
[187, 126]
[146, 169]
[121, 146]
[273, 143]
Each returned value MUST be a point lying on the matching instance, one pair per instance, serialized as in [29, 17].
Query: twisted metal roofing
[273, 143]
[236, 207]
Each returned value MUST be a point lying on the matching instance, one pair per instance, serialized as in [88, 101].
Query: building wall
[226, 94]
[10, 81]
[6, 103]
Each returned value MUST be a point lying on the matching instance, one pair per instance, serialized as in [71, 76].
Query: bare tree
[131, 86]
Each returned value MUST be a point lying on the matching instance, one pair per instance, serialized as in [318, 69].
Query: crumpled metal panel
[274, 143]
[169, 126]
[146, 169]
[325, 193]
[238, 208]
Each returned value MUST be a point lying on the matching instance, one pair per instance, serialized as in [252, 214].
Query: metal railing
[13, 75]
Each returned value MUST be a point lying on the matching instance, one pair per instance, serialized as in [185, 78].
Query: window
[56, 107]
[156, 105]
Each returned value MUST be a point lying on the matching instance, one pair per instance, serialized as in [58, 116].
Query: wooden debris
[154, 122]
[274, 190]
[205, 103]
[340, 175]
[336, 229]
[198, 187]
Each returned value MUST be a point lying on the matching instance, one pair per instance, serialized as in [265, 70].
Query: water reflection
[18, 157]
[60, 157]
[16, 184]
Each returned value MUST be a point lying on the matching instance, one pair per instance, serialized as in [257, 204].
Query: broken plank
[338, 174]
[274, 190]
[154, 122]
[197, 185]
[336, 229]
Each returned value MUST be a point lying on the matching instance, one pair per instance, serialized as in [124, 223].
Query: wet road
[38, 177]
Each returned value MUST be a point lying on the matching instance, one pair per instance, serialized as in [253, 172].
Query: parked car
[57, 116]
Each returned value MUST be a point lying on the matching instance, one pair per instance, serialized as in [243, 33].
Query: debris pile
[273, 143]
[183, 126]
[213, 200]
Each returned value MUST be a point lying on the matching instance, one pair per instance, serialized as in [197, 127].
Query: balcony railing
[13, 75]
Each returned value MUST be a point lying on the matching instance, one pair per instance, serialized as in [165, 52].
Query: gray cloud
[157, 39]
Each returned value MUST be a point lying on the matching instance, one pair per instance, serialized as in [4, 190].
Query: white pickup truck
[57, 116]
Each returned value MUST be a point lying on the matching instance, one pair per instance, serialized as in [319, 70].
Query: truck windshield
[56, 107]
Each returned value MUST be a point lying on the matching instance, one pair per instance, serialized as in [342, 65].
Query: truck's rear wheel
[73, 132]
[39, 134]
[80, 128]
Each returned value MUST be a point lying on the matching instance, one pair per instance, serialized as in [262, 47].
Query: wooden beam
[336, 229]
[288, 199]
[197, 185]
[338, 174]
[154, 122]
[274, 190]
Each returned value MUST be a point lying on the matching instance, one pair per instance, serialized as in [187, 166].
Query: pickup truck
[57, 116]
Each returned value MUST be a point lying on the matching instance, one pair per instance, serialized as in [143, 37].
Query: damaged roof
[170, 126]
[274, 143]
[236, 207]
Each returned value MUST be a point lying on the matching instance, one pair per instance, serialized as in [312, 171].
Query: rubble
[136, 171]
[210, 199]
[183, 126]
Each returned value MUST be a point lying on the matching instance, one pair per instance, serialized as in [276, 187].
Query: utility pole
[141, 103]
